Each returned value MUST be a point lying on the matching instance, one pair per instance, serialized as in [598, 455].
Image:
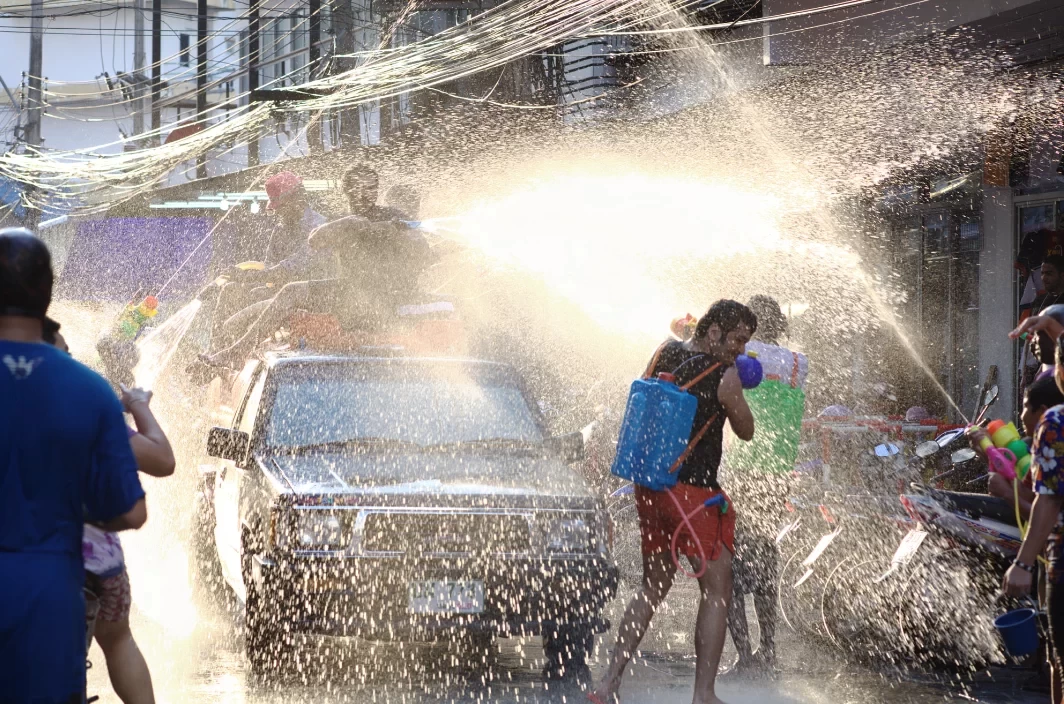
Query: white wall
[81, 110]
[997, 307]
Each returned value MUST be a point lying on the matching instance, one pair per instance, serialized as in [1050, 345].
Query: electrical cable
[487, 41]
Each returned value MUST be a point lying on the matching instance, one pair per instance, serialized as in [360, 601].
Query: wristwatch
[1024, 567]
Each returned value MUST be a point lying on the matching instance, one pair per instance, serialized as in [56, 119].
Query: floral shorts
[114, 596]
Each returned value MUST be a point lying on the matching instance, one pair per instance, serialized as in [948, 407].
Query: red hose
[686, 518]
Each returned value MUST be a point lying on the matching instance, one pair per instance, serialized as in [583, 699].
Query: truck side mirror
[227, 444]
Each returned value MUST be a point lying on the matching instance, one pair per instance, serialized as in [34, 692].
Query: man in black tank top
[707, 360]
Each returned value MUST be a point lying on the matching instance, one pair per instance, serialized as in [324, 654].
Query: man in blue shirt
[64, 458]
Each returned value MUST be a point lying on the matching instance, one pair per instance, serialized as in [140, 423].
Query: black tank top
[700, 467]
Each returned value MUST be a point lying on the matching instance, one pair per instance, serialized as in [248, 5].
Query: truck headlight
[315, 530]
[566, 535]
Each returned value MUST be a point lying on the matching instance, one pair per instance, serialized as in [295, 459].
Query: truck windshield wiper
[370, 444]
[486, 443]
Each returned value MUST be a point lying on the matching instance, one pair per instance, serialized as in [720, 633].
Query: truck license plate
[446, 597]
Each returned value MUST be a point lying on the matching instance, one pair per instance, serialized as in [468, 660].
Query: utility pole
[138, 67]
[314, 31]
[253, 71]
[35, 111]
[343, 17]
[315, 143]
[201, 81]
[156, 65]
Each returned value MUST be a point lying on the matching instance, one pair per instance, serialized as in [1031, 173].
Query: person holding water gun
[720, 336]
[1046, 528]
[757, 472]
[1038, 398]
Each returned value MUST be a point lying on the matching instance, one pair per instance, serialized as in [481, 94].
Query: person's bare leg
[658, 573]
[126, 666]
[271, 316]
[767, 570]
[716, 592]
[740, 630]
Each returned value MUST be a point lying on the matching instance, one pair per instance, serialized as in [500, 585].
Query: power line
[490, 40]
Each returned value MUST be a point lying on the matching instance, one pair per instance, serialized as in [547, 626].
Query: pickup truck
[392, 498]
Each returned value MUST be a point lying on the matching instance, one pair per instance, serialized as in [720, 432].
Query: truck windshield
[378, 406]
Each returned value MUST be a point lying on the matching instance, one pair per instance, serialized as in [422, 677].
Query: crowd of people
[69, 483]
[359, 268]
[1041, 496]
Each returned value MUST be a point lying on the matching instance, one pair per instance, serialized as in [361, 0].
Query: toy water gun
[750, 371]
[1005, 449]
[134, 317]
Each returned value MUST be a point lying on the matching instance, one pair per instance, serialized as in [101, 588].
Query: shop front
[934, 232]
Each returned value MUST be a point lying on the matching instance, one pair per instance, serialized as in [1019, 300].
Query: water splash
[157, 347]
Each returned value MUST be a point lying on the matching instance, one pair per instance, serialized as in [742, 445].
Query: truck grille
[446, 533]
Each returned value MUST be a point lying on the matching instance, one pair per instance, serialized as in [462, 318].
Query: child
[1039, 397]
[102, 551]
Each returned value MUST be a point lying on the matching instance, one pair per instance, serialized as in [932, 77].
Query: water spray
[158, 346]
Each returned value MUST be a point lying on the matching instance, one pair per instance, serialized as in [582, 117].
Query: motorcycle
[835, 589]
[943, 580]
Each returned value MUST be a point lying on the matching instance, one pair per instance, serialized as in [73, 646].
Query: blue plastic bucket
[1019, 631]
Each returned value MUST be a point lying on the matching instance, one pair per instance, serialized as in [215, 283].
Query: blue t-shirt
[64, 458]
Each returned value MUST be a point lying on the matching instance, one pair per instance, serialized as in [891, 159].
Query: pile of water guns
[1006, 451]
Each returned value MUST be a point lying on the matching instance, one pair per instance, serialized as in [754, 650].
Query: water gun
[1005, 449]
[750, 370]
[134, 317]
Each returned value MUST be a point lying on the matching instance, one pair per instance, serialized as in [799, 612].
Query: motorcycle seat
[979, 506]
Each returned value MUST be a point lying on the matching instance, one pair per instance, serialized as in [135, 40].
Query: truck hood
[474, 475]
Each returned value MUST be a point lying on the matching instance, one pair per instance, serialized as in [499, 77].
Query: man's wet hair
[357, 172]
[771, 322]
[26, 276]
[1044, 393]
[727, 315]
[1056, 261]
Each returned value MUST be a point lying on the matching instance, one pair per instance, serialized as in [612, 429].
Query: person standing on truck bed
[381, 259]
[287, 257]
[64, 458]
[720, 336]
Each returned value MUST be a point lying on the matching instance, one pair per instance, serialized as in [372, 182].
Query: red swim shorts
[659, 518]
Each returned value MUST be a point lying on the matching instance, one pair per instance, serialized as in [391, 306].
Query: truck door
[226, 481]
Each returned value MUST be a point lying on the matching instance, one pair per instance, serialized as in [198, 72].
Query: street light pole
[156, 65]
[201, 81]
[315, 141]
[138, 67]
[35, 111]
[253, 71]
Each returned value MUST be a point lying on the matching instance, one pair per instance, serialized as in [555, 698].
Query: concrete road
[195, 654]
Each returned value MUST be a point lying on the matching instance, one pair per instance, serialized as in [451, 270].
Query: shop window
[969, 237]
